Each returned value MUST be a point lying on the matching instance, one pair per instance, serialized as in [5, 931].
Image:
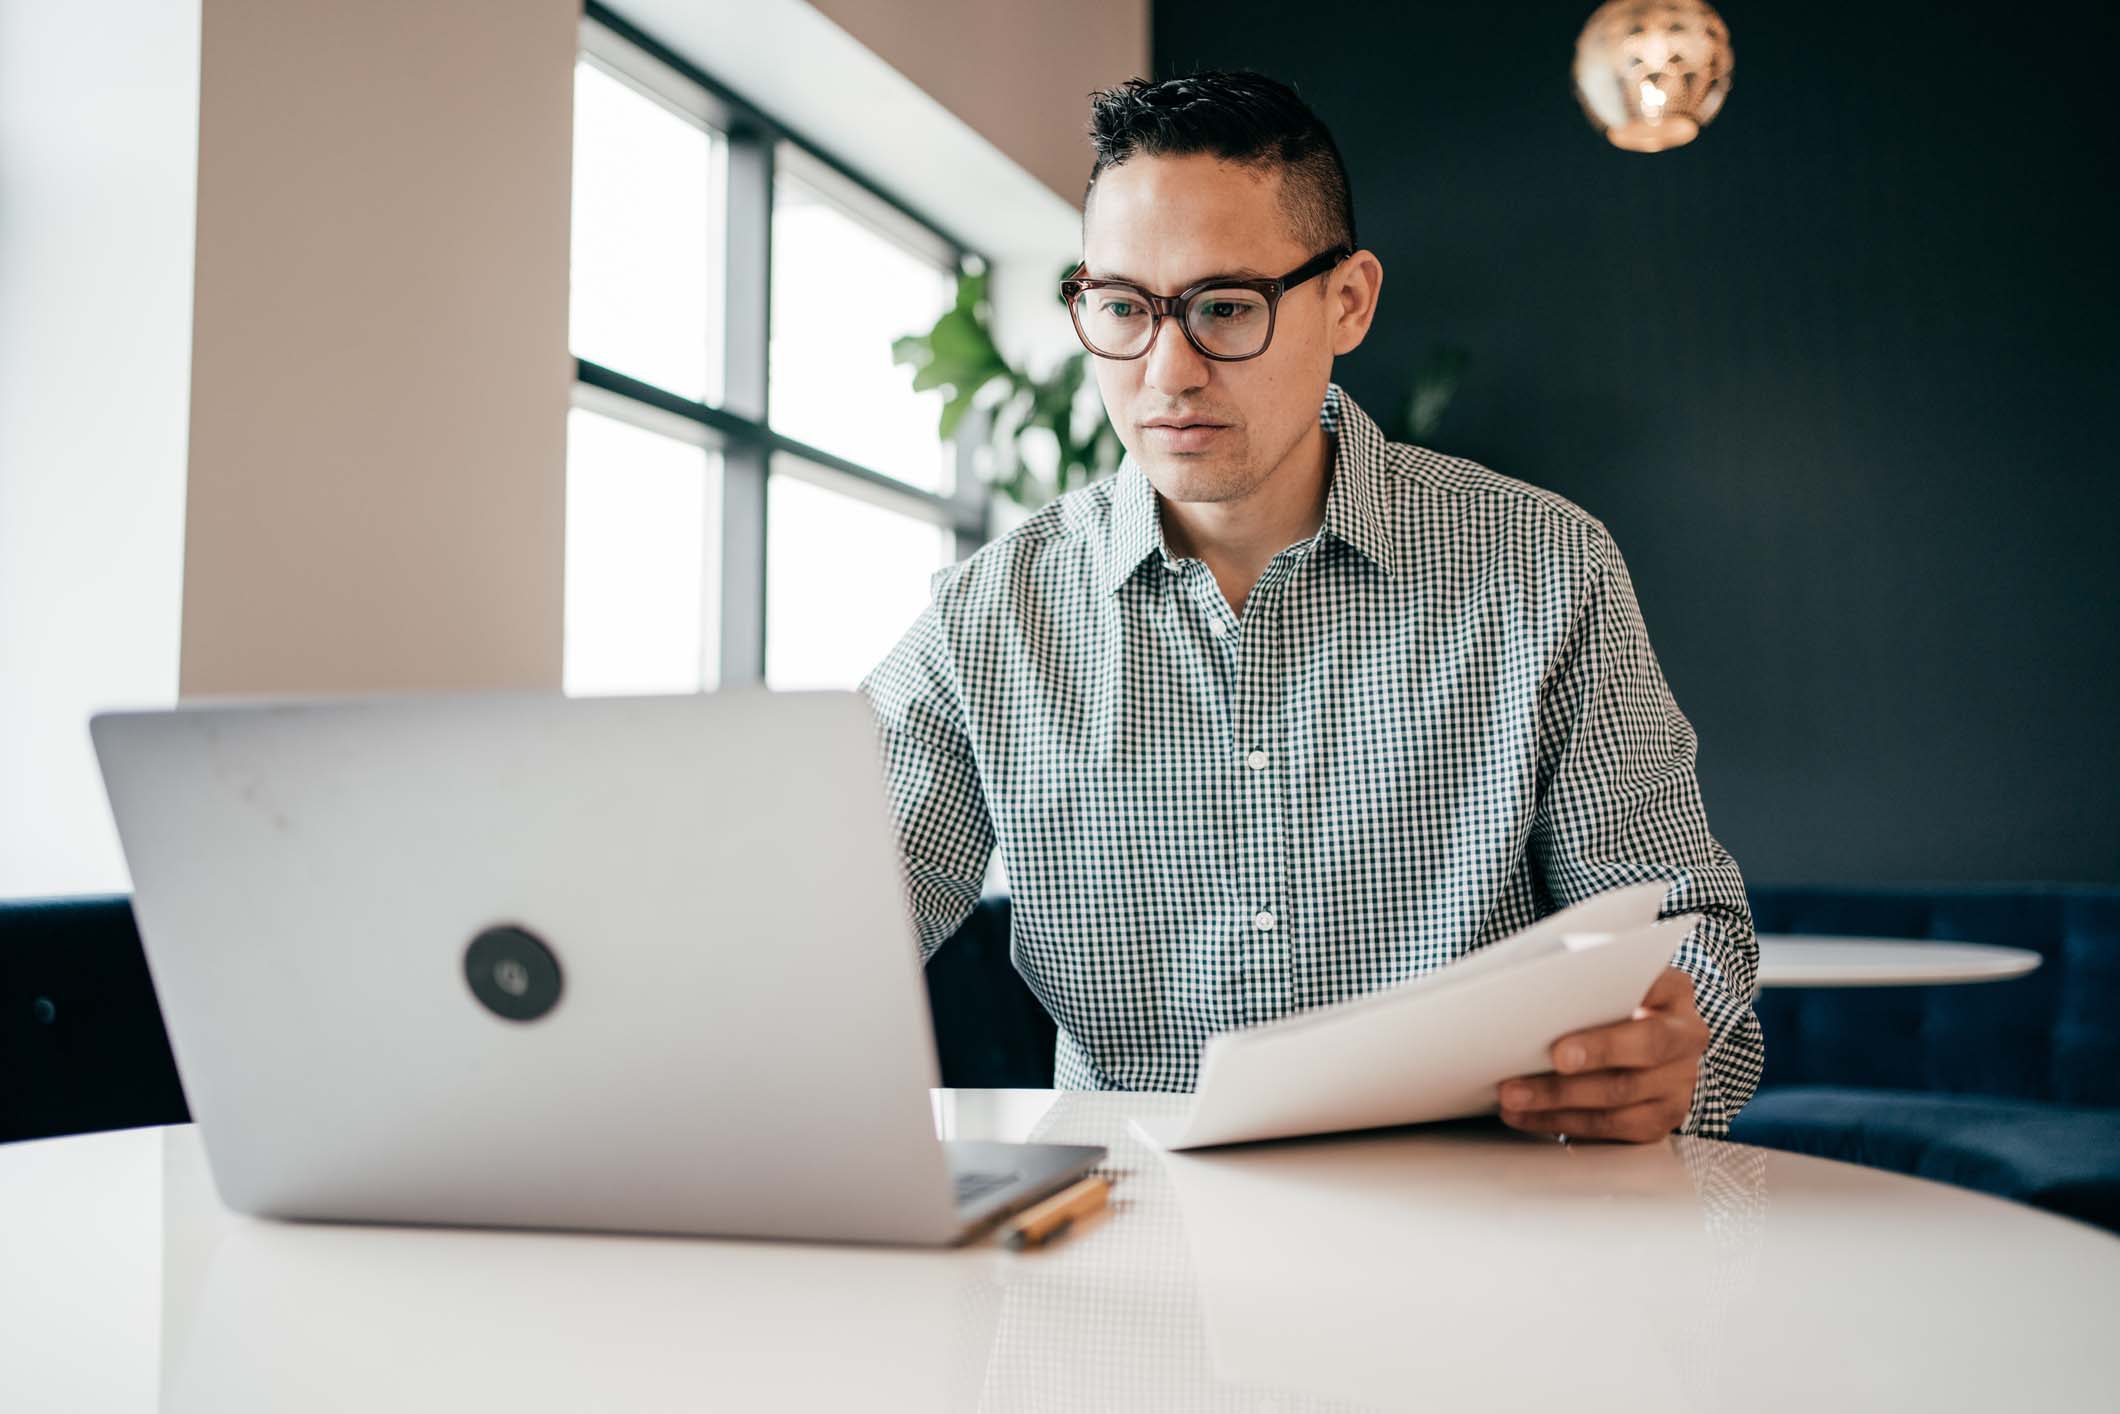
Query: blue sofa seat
[2063, 1158]
[2012, 1088]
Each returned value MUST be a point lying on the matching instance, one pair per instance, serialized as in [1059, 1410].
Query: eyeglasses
[1226, 320]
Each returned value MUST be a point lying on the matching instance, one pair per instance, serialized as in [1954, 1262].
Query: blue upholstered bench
[2012, 1087]
[82, 1046]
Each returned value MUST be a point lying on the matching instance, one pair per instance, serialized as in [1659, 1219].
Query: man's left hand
[1632, 1080]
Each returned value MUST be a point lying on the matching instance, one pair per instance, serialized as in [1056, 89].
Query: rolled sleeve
[945, 832]
[1620, 804]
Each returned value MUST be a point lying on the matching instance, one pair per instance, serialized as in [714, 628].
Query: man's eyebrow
[1241, 273]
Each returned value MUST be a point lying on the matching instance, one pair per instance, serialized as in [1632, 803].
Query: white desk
[1802, 960]
[1434, 1270]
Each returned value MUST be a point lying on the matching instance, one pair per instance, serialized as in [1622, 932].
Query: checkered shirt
[1436, 720]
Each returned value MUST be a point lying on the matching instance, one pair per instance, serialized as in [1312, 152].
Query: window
[754, 491]
[642, 604]
[647, 262]
[845, 576]
[846, 282]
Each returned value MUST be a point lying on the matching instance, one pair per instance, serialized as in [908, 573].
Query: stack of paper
[1436, 1047]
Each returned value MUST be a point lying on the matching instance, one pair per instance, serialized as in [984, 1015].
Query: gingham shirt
[1435, 721]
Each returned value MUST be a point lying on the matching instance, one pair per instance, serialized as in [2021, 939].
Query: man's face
[1205, 430]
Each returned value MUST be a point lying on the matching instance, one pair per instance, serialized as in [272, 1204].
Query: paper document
[1438, 1046]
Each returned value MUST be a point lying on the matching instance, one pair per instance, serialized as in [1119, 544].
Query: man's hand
[1633, 1080]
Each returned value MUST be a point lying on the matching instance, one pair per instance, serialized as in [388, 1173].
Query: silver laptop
[640, 964]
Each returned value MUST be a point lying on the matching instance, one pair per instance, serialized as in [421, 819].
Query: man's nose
[1174, 366]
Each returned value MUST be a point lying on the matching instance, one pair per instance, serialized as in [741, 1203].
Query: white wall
[98, 122]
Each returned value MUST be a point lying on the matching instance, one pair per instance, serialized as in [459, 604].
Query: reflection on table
[1454, 1267]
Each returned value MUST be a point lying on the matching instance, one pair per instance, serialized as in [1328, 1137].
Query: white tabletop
[1455, 1269]
[1805, 960]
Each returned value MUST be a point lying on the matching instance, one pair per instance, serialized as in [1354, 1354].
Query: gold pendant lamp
[1651, 74]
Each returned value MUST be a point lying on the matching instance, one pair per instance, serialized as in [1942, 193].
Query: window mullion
[973, 508]
[747, 335]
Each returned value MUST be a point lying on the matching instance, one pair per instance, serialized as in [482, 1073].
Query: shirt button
[1218, 629]
[1264, 922]
[1257, 761]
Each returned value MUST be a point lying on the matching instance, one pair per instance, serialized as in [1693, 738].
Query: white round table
[1454, 1268]
[1804, 960]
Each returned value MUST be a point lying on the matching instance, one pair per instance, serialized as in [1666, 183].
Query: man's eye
[1227, 310]
[1120, 308]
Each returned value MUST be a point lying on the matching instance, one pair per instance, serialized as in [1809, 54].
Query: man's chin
[1195, 479]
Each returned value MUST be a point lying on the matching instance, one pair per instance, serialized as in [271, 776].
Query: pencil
[1041, 1224]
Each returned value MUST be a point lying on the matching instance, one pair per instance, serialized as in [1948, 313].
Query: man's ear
[1356, 287]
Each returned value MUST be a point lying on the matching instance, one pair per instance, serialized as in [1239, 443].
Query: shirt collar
[1136, 530]
[1355, 507]
[1354, 511]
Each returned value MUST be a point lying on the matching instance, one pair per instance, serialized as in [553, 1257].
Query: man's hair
[1238, 116]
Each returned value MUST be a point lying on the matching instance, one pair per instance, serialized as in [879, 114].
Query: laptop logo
[512, 973]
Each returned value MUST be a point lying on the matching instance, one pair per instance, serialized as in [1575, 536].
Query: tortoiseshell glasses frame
[1240, 322]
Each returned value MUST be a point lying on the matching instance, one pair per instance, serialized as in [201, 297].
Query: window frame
[740, 427]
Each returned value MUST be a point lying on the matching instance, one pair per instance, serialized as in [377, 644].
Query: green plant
[959, 356]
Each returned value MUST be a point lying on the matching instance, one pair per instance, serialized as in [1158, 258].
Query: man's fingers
[1632, 1080]
[1636, 1124]
[1599, 1089]
[1650, 1040]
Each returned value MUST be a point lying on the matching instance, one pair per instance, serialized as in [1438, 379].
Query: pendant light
[1650, 74]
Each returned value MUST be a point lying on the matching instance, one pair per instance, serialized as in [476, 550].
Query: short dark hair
[1238, 116]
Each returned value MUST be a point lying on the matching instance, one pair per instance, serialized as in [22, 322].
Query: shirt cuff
[1730, 1066]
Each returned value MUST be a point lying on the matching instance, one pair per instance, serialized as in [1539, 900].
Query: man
[1282, 712]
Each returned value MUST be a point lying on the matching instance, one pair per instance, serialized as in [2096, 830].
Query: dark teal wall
[1840, 376]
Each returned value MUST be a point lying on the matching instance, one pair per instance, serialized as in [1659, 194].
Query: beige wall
[379, 361]
[1018, 71]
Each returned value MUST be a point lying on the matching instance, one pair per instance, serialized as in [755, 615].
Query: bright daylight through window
[643, 512]
[842, 291]
[704, 545]
[844, 578]
[648, 224]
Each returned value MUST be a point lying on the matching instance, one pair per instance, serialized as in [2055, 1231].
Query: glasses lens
[1114, 320]
[1232, 323]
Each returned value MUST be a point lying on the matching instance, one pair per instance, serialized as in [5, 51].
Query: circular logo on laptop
[512, 973]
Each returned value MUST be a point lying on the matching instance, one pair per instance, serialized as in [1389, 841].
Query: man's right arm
[945, 834]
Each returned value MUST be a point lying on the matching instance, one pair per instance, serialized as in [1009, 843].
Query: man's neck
[1236, 539]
